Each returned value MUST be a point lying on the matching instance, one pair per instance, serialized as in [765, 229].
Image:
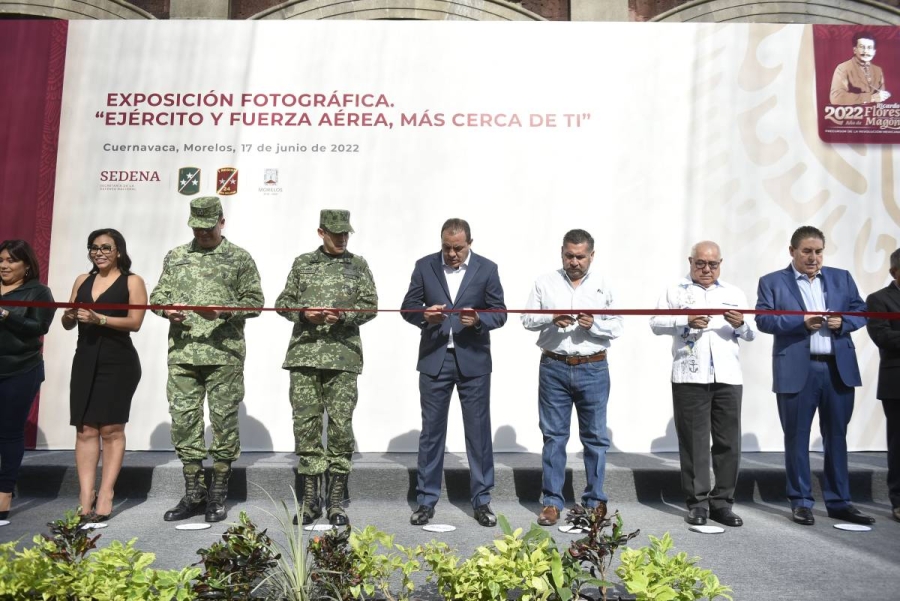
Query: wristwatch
[3, 314]
[102, 321]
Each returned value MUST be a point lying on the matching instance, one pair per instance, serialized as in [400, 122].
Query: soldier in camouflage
[324, 358]
[206, 352]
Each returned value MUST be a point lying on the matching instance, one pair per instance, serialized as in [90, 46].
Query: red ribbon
[700, 311]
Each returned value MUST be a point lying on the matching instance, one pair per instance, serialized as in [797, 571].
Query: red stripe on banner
[32, 61]
[695, 311]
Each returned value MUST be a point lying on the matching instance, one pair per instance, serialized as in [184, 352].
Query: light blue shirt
[813, 293]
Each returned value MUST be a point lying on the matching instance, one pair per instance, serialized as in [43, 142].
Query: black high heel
[95, 517]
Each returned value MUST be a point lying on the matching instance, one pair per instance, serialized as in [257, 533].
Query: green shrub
[375, 569]
[59, 568]
[651, 574]
[513, 563]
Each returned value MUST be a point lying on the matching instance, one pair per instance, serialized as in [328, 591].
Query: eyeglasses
[713, 265]
[105, 249]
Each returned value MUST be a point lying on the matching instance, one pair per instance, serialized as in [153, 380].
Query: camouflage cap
[205, 212]
[335, 220]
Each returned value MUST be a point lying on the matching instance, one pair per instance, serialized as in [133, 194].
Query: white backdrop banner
[650, 137]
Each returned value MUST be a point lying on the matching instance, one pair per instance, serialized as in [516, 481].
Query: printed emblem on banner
[270, 185]
[188, 180]
[227, 181]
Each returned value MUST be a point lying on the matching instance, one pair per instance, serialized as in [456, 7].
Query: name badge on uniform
[307, 270]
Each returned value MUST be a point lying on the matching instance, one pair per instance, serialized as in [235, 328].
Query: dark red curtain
[32, 65]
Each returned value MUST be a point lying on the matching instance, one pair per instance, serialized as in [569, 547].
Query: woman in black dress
[106, 368]
[21, 361]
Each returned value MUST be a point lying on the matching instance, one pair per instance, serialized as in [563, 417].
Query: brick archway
[76, 9]
[838, 12]
[433, 10]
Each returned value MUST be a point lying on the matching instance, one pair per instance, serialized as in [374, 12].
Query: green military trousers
[223, 387]
[313, 393]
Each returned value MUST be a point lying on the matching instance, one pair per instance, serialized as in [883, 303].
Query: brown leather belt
[577, 359]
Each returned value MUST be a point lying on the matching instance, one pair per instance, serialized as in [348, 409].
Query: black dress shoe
[896, 513]
[851, 514]
[421, 515]
[725, 516]
[484, 515]
[696, 516]
[804, 516]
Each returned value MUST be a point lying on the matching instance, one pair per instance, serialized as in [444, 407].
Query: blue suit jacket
[479, 289]
[790, 352]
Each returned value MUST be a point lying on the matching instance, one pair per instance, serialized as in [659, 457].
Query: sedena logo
[126, 180]
[129, 176]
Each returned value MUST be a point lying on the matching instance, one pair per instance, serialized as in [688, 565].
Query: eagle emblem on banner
[227, 181]
[188, 180]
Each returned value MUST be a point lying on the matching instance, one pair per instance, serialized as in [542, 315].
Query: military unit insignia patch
[188, 181]
[227, 181]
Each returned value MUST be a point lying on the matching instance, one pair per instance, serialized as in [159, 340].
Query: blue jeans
[587, 387]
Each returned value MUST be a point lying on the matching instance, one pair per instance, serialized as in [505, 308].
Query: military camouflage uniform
[206, 357]
[325, 360]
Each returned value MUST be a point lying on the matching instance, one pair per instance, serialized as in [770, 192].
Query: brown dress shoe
[549, 516]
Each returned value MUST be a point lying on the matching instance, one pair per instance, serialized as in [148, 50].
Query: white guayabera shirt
[711, 354]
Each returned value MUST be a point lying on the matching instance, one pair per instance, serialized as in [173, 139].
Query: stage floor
[770, 557]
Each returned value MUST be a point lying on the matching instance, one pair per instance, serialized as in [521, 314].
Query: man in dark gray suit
[886, 336]
[455, 350]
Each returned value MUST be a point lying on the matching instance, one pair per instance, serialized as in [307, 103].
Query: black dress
[106, 368]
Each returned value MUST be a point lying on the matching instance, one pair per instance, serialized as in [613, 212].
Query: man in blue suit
[446, 294]
[814, 367]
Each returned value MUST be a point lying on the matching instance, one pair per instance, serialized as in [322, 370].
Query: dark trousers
[701, 411]
[892, 414]
[474, 398]
[826, 392]
[17, 394]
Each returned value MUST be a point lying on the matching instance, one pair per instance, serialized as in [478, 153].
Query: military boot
[312, 503]
[337, 490]
[194, 499]
[218, 490]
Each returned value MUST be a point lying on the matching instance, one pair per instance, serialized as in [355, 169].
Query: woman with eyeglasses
[21, 361]
[106, 368]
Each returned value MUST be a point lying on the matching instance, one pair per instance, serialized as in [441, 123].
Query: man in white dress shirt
[573, 369]
[706, 383]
